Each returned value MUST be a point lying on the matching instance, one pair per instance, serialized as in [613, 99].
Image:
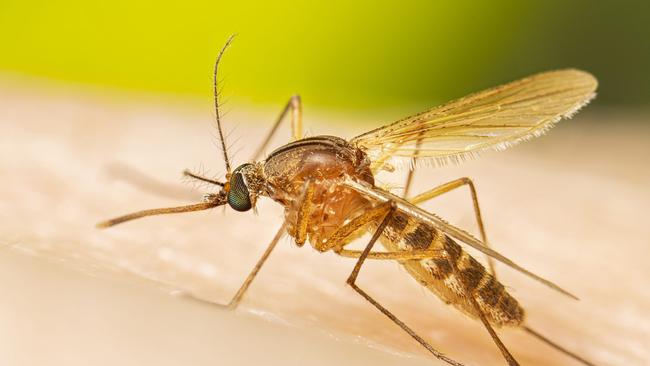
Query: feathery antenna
[216, 103]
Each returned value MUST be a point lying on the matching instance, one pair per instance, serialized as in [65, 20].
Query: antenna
[216, 104]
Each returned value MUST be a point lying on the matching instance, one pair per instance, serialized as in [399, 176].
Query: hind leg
[502, 347]
[352, 282]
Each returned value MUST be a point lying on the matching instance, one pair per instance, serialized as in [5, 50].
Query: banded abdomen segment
[451, 273]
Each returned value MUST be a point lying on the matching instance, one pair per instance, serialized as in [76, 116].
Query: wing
[493, 119]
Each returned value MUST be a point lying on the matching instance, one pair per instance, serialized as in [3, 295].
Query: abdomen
[451, 273]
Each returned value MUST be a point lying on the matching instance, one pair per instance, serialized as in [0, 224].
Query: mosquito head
[244, 186]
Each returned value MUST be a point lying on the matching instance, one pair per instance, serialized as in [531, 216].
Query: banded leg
[352, 282]
[450, 186]
[232, 304]
[295, 106]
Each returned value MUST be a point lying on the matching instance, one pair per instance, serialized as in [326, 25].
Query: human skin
[568, 206]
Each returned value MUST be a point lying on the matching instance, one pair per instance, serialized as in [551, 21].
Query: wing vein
[492, 119]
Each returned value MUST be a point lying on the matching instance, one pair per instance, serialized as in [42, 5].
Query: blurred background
[336, 54]
[103, 104]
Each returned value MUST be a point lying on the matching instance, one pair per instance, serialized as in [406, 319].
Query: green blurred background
[336, 54]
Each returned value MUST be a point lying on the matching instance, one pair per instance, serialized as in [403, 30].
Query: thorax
[323, 162]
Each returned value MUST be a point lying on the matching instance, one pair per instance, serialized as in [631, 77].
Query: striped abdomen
[451, 273]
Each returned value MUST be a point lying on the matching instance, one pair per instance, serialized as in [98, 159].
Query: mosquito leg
[345, 233]
[502, 347]
[409, 181]
[556, 346]
[232, 304]
[352, 282]
[368, 254]
[380, 195]
[469, 275]
[398, 256]
[449, 186]
[304, 212]
[411, 173]
[295, 107]
[342, 236]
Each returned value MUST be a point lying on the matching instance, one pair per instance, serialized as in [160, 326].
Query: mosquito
[327, 187]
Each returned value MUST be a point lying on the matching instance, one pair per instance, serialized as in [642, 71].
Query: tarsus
[557, 346]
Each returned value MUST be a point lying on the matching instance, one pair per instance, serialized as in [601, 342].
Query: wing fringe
[462, 129]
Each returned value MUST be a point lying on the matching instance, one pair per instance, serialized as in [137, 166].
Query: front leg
[232, 304]
[341, 237]
[345, 233]
[304, 213]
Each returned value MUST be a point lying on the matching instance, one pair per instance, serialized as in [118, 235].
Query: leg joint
[467, 180]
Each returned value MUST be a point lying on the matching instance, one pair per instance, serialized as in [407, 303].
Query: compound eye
[238, 196]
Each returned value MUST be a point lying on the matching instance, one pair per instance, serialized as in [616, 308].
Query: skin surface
[569, 206]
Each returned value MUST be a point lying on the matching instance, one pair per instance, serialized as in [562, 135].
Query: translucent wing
[492, 119]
